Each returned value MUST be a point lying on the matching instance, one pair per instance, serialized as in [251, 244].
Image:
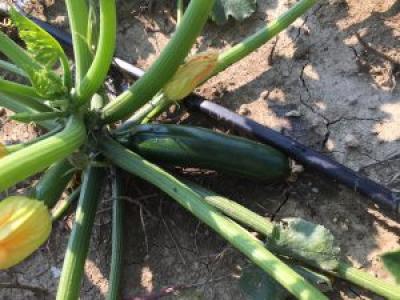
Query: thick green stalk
[265, 227]
[78, 243]
[5, 65]
[59, 211]
[78, 19]
[262, 36]
[97, 72]
[53, 183]
[193, 202]
[117, 237]
[165, 66]
[26, 162]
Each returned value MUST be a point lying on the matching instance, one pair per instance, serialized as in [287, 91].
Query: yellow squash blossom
[192, 73]
[25, 224]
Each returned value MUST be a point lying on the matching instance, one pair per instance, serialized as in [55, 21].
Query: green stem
[16, 147]
[16, 54]
[180, 11]
[142, 113]
[367, 281]
[165, 66]
[5, 65]
[117, 237]
[17, 89]
[262, 36]
[53, 183]
[158, 110]
[59, 211]
[26, 162]
[256, 40]
[265, 227]
[18, 106]
[78, 19]
[43, 116]
[97, 72]
[78, 243]
[234, 210]
[21, 96]
[193, 202]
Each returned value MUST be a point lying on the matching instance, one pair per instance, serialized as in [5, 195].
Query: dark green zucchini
[186, 146]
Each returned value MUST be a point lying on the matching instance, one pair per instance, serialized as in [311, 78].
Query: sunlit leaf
[308, 242]
[40, 44]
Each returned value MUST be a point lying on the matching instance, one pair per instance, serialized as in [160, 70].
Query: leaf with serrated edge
[391, 260]
[305, 241]
[238, 9]
[41, 45]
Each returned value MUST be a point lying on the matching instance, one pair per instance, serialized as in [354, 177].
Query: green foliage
[306, 241]
[237, 9]
[46, 51]
[391, 260]
[257, 285]
[40, 44]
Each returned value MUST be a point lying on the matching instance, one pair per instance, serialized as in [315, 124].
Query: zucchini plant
[90, 135]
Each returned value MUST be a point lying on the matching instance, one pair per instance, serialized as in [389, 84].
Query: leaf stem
[78, 16]
[193, 202]
[5, 65]
[26, 162]
[98, 70]
[180, 11]
[78, 243]
[262, 36]
[117, 236]
[165, 66]
[265, 227]
[62, 207]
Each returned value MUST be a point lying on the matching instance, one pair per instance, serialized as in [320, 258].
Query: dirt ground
[316, 82]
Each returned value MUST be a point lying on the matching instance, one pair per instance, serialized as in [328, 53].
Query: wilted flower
[192, 73]
[25, 224]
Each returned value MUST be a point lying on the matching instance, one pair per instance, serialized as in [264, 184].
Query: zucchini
[187, 146]
[50, 187]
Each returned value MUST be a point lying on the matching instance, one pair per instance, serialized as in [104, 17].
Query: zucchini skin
[188, 146]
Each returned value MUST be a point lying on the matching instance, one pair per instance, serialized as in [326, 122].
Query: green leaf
[391, 260]
[45, 51]
[40, 44]
[238, 9]
[46, 83]
[308, 242]
[258, 285]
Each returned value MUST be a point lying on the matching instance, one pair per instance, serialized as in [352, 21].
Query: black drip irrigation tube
[309, 158]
